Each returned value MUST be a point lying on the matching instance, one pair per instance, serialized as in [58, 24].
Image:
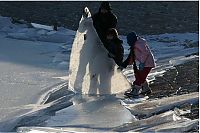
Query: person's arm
[95, 21]
[99, 27]
[111, 21]
[119, 53]
[114, 22]
[127, 61]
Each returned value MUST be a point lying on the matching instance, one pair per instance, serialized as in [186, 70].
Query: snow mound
[37, 32]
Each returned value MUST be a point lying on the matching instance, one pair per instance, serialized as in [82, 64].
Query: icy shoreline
[48, 68]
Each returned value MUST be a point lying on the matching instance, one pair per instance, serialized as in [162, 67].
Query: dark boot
[134, 92]
[146, 90]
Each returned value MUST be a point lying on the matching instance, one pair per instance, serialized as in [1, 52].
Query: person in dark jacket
[104, 20]
[115, 48]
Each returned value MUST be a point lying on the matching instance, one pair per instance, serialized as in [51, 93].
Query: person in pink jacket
[141, 54]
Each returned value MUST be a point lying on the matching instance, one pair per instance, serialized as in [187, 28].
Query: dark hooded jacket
[102, 22]
[116, 50]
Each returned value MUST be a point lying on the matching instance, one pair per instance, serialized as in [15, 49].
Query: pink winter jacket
[143, 53]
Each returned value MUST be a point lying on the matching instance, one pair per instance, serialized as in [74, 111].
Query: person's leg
[134, 92]
[145, 87]
[143, 74]
[136, 85]
[140, 77]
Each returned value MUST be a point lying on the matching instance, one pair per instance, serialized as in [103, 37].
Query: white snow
[34, 64]
[39, 26]
[181, 59]
[28, 68]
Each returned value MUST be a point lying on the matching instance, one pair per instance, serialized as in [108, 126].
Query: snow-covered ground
[33, 82]
[31, 65]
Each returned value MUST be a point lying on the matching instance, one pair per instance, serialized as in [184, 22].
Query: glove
[141, 66]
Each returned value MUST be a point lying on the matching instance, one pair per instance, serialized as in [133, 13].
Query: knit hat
[131, 38]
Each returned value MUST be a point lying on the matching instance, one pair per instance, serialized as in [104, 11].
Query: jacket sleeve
[112, 21]
[119, 55]
[129, 60]
[143, 50]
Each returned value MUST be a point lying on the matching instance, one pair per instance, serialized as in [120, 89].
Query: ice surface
[148, 108]
[34, 61]
[27, 71]
[169, 121]
[169, 116]
[57, 129]
[101, 113]
[183, 125]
